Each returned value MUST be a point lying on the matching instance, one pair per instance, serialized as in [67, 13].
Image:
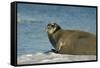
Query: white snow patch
[52, 57]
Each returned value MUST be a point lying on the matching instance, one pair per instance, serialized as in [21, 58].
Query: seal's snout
[51, 27]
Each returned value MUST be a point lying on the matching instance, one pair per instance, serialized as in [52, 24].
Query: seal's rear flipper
[52, 50]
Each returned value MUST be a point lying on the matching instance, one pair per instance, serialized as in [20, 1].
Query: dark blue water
[32, 20]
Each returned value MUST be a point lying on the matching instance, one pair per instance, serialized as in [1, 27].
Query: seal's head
[52, 28]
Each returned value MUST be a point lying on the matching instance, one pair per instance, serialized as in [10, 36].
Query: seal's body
[73, 42]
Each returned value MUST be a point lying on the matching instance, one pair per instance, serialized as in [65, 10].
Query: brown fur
[74, 42]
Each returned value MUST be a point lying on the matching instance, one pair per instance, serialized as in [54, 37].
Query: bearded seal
[74, 42]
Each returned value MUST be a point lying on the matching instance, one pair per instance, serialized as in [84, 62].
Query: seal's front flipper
[55, 51]
[52, 50]
[59, 46]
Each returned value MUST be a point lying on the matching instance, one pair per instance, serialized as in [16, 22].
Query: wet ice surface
[52, 58]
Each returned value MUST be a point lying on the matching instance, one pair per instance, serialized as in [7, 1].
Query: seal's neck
[55, 30]
[51, 34]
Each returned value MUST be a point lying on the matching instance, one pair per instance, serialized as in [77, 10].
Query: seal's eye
[50, 25]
